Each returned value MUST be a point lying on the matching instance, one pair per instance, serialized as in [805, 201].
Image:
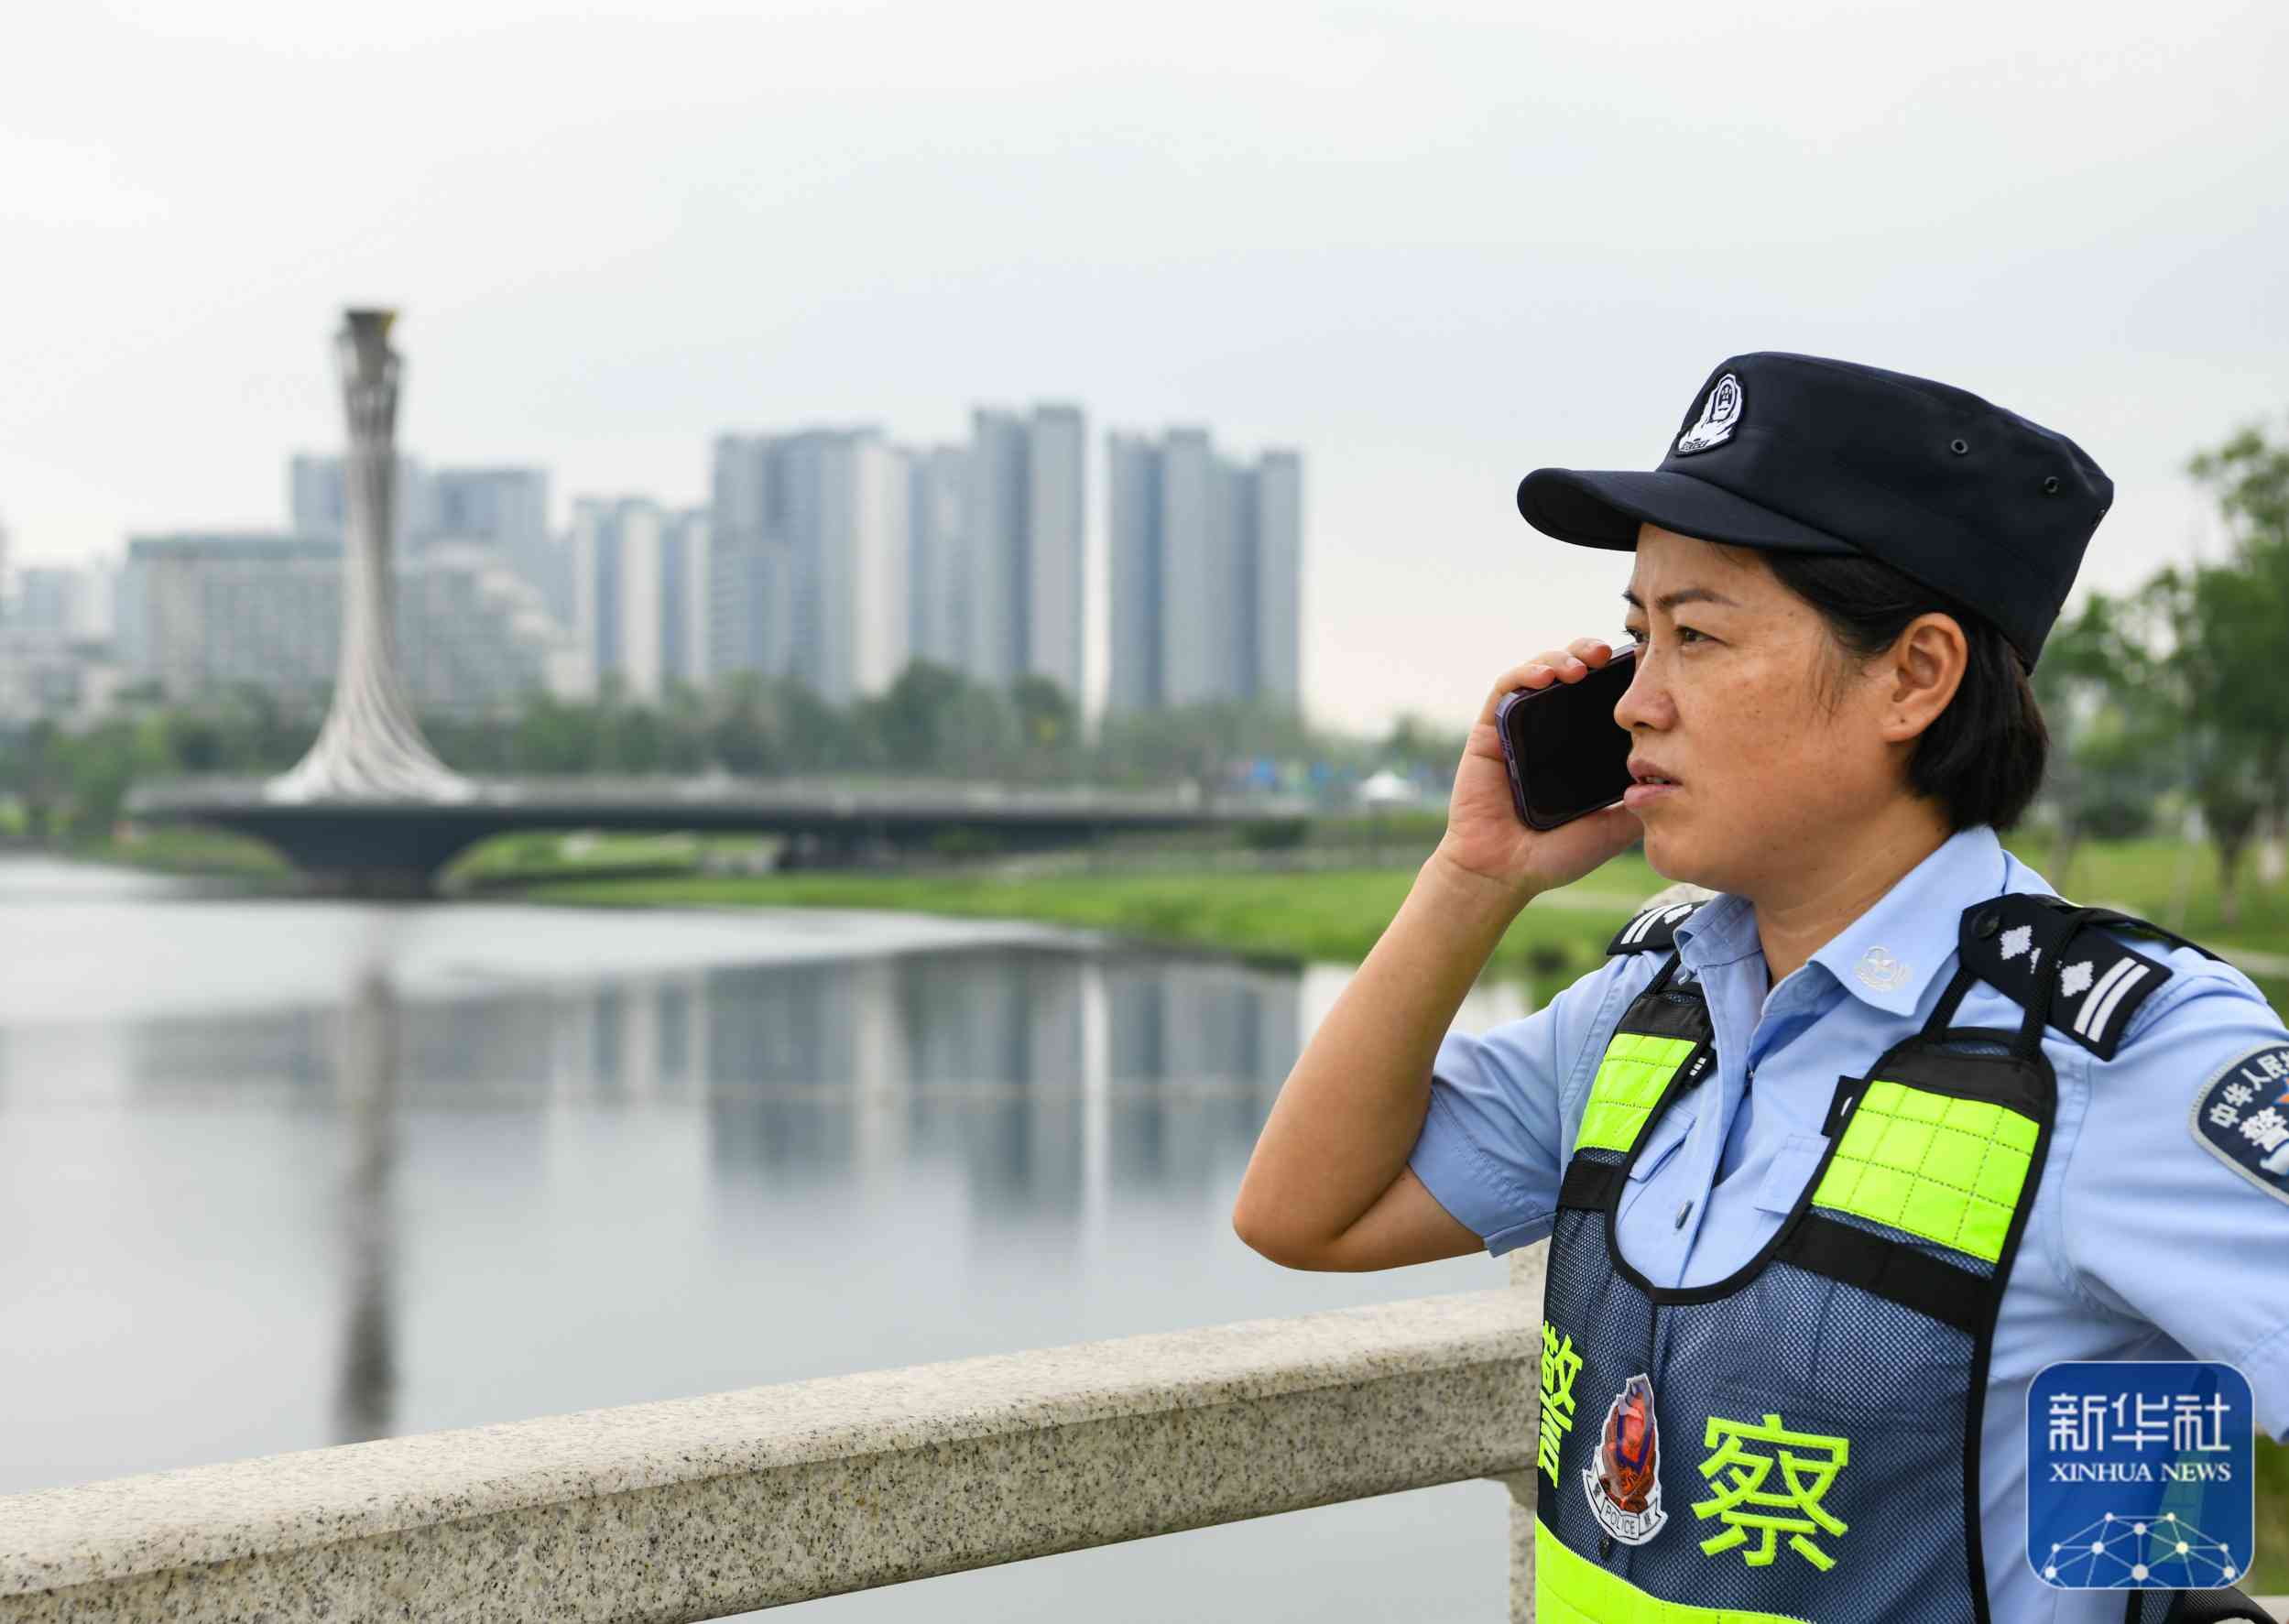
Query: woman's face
[1741, 698]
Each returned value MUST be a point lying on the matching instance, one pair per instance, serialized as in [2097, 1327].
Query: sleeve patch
[2241, 1118]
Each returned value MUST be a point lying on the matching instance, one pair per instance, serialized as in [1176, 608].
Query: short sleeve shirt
[2142, 1243]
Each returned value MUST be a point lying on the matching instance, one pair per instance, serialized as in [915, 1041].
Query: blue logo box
[2139, 1475]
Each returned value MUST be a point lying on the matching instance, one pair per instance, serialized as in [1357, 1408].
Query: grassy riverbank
[1309, 913]
[1206, 890]
[209, 854]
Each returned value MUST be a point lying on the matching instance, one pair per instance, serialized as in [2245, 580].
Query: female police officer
[1841, 579]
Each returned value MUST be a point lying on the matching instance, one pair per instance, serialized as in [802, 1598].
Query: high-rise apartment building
[1278, 578]
[1056, 580]
[73, 601]
[318, 494]
[318, 498]
[1023, 539]
[57, 627]
[687, 597]
[200, 613]
[938, 565]
[507, 507]
[474, 635]
[994, 522]
[640, 606]
[1205, 559]
[811, 536]
[1132, 479]
[216, 611]
[750, 566]
[865, 619]
[503, 508]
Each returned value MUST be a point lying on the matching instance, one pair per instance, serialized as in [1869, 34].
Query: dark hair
[1982, 758]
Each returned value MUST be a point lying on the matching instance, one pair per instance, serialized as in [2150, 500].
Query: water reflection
[461, 1191]
[366, 1391]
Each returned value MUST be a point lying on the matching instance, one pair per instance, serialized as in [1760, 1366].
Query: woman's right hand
[1484, 837]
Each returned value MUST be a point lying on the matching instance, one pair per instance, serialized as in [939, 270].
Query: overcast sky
[1430, 246]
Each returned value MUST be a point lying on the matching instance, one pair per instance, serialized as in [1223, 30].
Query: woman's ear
[1922, 673]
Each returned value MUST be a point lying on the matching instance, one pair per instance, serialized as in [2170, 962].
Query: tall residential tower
[640, 594]
[1206, 562]
[810, 536]
[1022, 538]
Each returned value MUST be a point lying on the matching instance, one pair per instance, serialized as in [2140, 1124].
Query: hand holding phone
[1490, 834]
[1566, 754]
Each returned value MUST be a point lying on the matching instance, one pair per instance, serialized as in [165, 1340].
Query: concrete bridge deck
[399, 845]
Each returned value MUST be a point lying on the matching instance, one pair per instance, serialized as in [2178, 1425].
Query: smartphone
[1567, 755]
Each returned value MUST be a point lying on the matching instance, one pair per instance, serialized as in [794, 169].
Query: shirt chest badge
[1878, 969]
[1623, 1480]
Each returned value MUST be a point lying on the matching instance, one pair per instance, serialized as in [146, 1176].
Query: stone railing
[701, 1508]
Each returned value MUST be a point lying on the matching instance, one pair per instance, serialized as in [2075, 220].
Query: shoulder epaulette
[1651, 931]
[2006, 941]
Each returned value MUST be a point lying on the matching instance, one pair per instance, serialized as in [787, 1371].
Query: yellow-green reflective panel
[1629, 1080]
[1948, 1170]
[1572, 1589]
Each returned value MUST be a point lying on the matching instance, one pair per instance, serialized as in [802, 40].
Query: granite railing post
[1528, 1267]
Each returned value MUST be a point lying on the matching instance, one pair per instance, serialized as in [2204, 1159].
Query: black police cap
[1797, 454]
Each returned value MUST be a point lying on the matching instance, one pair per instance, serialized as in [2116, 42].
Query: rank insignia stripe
[2241, 1116]
[2099, 985]
[1654, 929]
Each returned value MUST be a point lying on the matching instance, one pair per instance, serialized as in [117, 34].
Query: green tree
[2225, 628]
[683, 723]
[554, 737]
[815, 735]
[981, 734]
[101, 765]
[743, 735]
[2113, 736]
[915, 717]
[2249, 475]
[33, 768]
[1413, 744]
[2229, 625]
[1048, 722]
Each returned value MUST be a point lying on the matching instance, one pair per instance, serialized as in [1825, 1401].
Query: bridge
[396, 846]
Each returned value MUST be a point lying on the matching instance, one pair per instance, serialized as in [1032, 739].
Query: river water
[276, 1174]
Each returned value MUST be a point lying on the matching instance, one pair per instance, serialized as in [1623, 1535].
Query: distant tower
[370, 748]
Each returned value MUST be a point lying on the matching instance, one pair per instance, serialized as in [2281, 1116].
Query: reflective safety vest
[1799, 1441]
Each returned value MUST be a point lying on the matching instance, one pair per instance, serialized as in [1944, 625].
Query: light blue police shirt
[2141, 1245]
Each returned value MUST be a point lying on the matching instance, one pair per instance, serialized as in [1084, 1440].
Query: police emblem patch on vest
[1624, 1484]
[2241, 1118]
